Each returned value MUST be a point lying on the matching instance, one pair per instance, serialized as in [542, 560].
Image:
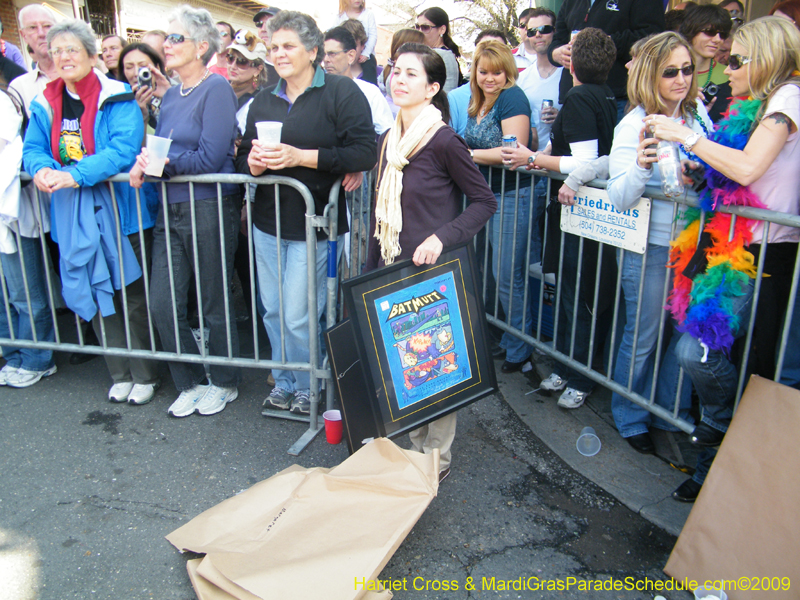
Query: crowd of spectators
[580, 95]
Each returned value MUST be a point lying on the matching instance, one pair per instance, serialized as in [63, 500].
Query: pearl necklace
[185, 93]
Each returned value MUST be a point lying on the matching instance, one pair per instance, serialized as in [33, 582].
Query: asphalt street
[89, 489]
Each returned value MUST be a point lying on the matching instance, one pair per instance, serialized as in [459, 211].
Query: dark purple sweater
[434, 181]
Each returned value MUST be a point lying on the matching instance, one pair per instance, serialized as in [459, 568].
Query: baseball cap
[266, 10]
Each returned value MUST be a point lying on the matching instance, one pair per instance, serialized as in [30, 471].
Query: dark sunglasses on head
[672, 72]
[712, 31]
[424, 28]
[175, 38]
[543, 29]
[239, 60]
[736, 62]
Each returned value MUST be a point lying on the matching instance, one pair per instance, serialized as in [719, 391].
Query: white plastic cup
[157, 149]
[588, 442]
[708, 593]
[269, 132]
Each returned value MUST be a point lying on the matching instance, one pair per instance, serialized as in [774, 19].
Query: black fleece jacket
[333, 117]
[626, 21]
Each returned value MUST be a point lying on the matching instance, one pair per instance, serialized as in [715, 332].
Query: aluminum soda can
[573, 34]
[509, 141]
[546, 104]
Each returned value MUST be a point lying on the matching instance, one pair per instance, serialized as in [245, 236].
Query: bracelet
[472, 154]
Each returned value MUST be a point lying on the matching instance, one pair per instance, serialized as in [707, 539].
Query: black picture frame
[421, 336]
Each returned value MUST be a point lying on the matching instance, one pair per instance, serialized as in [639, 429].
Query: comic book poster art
[427, 337]
[421, 337]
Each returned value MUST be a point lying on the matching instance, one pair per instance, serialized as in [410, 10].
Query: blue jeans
[24, 321]
[790, 374]
[208, 274]
[512, 218]
[631, 419]
[717, 378]
[539, 204]
[293, 260]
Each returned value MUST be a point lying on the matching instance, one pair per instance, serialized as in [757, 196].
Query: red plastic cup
[333, 426]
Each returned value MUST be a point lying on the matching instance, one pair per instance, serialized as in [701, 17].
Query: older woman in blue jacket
[84, 129]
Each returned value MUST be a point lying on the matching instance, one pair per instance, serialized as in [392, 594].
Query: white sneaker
[186, 403]
[572, 398]
[554, 383]
[142, 393]
[216, 399]
[24, 378]
[6, 372]
[119, 391]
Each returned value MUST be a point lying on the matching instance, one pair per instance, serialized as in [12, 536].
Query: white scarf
[388, 212]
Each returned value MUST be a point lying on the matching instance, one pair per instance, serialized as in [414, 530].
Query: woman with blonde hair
[498, 107]
[661, 81]
[751, 160]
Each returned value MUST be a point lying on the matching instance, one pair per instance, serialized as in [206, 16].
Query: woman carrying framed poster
[424, 167]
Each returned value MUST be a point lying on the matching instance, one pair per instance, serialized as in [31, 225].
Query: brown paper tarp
[306, 531]
[745, 521]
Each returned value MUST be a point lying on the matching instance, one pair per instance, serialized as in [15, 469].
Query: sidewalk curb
[641, 482]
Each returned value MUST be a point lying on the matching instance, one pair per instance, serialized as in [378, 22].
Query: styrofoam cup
[708, 593]
[333, 426]
[157, 150]
[588, 442]
[269, 132]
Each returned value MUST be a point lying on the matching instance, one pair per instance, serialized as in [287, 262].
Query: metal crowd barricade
[539, 341]
[317, 370]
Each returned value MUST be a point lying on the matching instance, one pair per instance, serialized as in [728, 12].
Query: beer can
[546, 104]
[573, 34]
[509, 141]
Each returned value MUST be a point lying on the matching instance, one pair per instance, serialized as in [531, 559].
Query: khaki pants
[438, 434]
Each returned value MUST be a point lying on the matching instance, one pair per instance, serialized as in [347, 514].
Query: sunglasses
[543, 29]
[424, 28]
[176, 38]
[712, 31]
[239, 60]
[736, 62]
[672, 72]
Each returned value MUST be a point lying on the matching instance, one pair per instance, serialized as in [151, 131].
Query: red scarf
[88, 90]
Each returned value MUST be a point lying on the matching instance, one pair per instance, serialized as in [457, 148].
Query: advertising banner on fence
[594, 217]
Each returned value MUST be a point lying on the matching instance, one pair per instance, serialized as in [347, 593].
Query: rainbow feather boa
[703, 306]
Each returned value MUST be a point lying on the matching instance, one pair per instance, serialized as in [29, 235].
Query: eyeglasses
[424, 28]
[543, 29]
[35, 28]
[175, 38]
[69, 50]
[672, 72]
[239, 60]
[712, 31]
[333, 55]
[736, 62]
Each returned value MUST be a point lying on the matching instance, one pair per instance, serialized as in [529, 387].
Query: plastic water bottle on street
[669, 165]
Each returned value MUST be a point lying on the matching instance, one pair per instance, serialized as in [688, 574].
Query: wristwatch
[691, 140]
[532, 158]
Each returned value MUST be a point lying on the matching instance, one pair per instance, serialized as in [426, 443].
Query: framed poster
[421, 335]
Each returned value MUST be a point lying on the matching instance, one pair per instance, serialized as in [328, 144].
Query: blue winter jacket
[82, 221]
[115, 151]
